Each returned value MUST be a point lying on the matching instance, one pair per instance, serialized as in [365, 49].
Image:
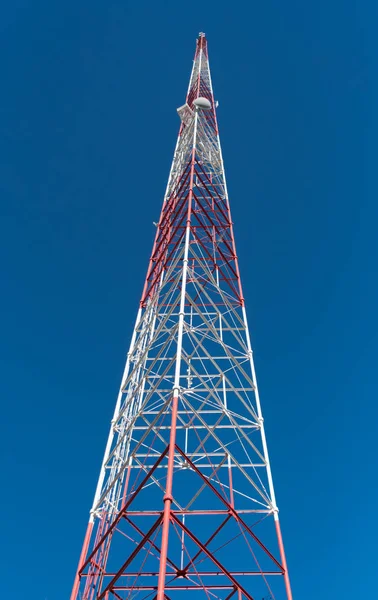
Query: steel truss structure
[185, 499]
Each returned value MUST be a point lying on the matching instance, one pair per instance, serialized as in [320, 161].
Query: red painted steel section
[212, 557]
[165, 243]
[232, 510]
[83, 554]
[283, 559]
[169, 515]
[130, 558]
[122, 512]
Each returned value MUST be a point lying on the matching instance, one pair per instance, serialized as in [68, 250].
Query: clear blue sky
[87, 131]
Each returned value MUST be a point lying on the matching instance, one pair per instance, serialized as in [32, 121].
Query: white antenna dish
[202, 103]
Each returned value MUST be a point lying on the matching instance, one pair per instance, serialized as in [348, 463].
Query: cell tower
[185, 499]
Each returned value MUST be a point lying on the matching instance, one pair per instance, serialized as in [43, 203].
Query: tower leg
[167, 502]
[283, 559]
[83, 555]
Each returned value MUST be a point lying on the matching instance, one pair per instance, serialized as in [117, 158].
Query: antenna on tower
[185, 498]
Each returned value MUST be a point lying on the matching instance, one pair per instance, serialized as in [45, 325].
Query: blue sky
[88, 125]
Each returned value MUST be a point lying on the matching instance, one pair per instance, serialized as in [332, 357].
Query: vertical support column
[83, 555]
[283, 557]
[176, 389]
[167, 501]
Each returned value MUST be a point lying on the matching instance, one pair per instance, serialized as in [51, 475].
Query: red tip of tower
[202, 43]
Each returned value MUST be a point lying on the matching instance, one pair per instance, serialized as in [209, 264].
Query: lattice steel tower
[185, 499]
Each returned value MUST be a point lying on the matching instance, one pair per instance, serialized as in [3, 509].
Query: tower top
[201, 41]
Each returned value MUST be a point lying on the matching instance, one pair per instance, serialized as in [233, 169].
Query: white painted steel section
[115, 414]
[259, 412]
[176, 385]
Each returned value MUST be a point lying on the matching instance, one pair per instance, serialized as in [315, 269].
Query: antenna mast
[185, 499]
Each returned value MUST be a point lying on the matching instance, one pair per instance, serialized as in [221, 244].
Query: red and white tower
[185, 499]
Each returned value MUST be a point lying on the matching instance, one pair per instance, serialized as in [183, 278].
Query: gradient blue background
[88, 97]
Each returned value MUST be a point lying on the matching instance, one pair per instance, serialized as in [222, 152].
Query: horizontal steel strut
[185, 498]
